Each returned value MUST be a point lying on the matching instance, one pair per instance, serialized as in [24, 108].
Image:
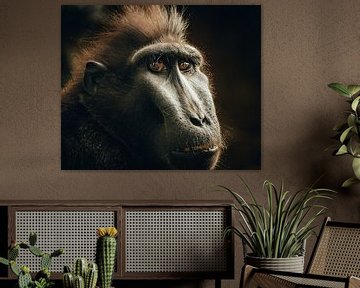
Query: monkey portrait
[140, 92]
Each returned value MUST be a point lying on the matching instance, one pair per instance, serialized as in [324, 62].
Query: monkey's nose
[199, 120]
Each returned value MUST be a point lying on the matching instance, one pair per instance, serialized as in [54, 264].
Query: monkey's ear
[94, 73]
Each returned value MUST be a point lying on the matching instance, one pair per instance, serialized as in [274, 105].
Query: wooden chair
[335, 262]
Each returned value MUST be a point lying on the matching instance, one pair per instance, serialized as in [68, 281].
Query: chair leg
[262, 280]
[250, 278]
[246, 276]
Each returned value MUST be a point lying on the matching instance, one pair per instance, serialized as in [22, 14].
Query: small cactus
[32, 238]
[14, 268]
[67, 269]
[13, 253]
[45, 261]
[24, 277]
[91, 276]
[57, 252]
[36, 251]
[68, 280]
[42, 278]
[106, 254]
[79, 282]
[81, 267]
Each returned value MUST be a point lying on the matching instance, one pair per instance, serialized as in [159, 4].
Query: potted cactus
[106, 254]
[84, 275]
[42, 278]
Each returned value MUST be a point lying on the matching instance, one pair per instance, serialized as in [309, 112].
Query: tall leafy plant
[348, 132]
[279, 229]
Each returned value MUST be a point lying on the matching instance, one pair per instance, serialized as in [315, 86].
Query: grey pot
[291, 264]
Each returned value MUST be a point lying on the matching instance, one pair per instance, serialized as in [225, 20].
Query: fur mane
[153, 22]
[133, 28]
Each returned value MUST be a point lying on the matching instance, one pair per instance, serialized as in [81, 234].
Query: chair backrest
[337, 251]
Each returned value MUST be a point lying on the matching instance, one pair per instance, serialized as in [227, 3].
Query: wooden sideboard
[157, 240]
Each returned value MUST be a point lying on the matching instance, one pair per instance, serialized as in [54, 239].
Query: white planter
[291, 264]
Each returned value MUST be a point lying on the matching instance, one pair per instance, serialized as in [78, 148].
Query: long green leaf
[349, 182]
[270, 219]
[249, 191]
[242, 235]
[340, 88]
[279, 228]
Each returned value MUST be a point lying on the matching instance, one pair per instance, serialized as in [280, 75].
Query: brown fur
[136, 26]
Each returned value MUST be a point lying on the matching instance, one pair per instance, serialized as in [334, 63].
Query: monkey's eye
[185, 66]
[157, 65]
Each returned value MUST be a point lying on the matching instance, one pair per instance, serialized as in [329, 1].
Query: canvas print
[160, 87]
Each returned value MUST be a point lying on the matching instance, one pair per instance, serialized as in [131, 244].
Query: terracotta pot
[291, 264]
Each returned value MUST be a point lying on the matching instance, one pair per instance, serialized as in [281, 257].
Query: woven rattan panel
[75, 231]
[312, 282]
[175, 241]
[268, 280]
[338, 253]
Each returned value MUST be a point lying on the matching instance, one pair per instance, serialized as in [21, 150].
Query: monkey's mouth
[197, 157]
[196, 149]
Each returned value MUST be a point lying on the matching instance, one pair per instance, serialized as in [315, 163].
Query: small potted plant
[42, 278]
[275, 234]
[348, 133]
[84, 274]
[87, 274]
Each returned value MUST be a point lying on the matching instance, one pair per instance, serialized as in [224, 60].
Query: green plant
[79, 282]
[42, 278]
[279, 229]
[105, 254]
[85, 275]
[91, 276]
[43, 283]
[68, 278]
[81, 267]
[348, 132]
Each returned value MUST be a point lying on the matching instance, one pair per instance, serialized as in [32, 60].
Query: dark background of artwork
[230, 38]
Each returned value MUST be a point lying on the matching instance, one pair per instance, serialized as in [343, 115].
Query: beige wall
[305, 45]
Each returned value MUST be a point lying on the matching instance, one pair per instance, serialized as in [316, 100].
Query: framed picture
[159, 87]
